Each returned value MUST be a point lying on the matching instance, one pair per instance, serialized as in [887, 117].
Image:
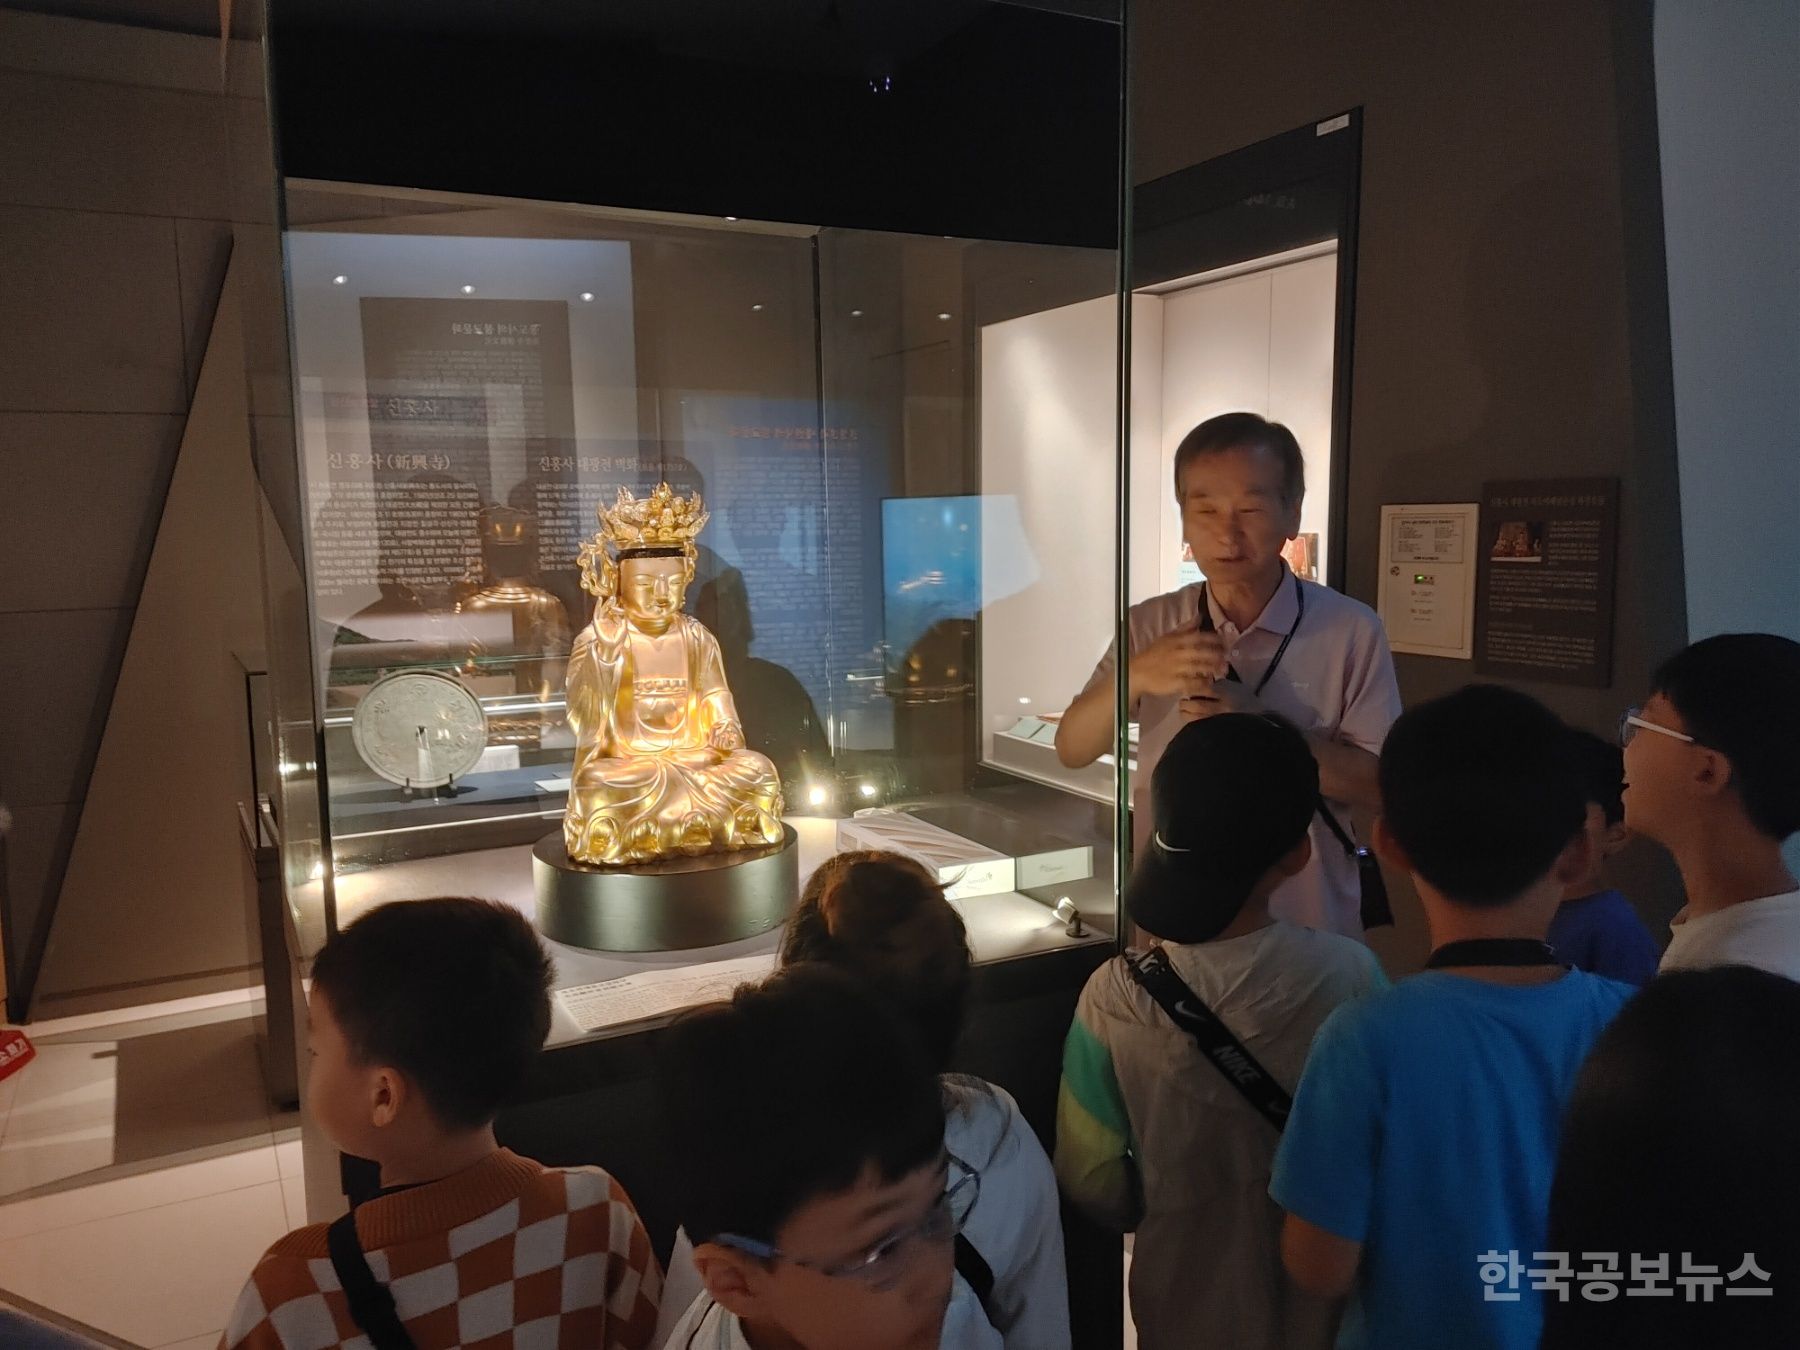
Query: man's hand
[1179, 665]
[1225, 696]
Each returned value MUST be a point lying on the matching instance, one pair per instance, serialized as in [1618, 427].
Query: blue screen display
[930, 566]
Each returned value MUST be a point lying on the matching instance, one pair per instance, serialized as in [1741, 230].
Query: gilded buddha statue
[661, 768]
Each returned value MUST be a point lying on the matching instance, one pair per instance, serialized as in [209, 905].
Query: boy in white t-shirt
[1712, 773]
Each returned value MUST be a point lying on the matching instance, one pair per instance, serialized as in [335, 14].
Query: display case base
[675, 905]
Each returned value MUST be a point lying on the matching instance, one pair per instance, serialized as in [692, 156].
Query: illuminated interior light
[816, 796]
[867, 789]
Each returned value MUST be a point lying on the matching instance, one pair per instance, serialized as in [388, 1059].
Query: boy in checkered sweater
[424, 1017]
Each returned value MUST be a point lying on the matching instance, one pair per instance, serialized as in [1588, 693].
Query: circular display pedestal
[667, 906]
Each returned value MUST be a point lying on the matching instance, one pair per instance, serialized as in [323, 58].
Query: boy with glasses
[1712, 773]
[808, 1133]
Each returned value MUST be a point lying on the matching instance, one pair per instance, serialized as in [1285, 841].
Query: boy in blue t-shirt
[1595, 928]
[1415, 1169]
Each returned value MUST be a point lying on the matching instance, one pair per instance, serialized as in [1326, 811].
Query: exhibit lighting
[867, 790]
[816, 796]
[587, 295]
[339, 279]
[468, 289]
[856, 314]
[732, 218]
[757, 309]
[318, 872]
[1023, 699]
[944, 316]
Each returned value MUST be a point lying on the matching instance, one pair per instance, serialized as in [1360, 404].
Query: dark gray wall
[1511, 314]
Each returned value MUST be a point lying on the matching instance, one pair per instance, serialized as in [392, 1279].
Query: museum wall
[1730, 138]
[1510, 303]
[115, 214]
[1730, 131]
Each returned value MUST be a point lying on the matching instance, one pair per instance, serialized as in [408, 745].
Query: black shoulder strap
[1221, 1049]
[371, 1302]
[1377, 912]
[976, 1272]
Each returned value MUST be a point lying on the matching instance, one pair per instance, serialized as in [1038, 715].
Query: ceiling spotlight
[856, 314]
[339, 279]
[867, 790]
[587, 295]
[731, 217]
[944, 316]
[816, 796]
[756, 309]
[1023, 699]
[468, 290]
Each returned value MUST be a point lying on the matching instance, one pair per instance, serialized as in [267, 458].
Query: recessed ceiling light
[468, 290]
[945, 316]
[856, 314]
[339, 280]
[587, 295]
[757, 308]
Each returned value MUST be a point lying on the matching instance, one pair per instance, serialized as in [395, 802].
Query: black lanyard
[1493, 952]
[1207, 626]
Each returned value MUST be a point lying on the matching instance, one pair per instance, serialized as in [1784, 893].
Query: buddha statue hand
[727, 738]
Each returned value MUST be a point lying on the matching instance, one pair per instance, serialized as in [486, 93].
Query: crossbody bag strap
[371, 1302]
[976, 1273]
[1377, 912]
[1218, 1046]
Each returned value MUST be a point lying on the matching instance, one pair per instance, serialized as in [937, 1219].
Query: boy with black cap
[1151, 1136]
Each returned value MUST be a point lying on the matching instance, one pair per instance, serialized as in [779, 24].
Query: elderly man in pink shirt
[1318, 658]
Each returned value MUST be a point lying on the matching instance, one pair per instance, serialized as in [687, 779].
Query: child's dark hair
[1700, 1065]
[453, 992]
[790, 1091]
[1483, 790]
[1602, 773]
[883, 918]
[1737, 695]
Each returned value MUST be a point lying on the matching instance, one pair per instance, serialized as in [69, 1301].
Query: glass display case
[909, 568]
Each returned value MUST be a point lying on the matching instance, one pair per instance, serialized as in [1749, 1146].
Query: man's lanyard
[1207, 626]
[1493, 952]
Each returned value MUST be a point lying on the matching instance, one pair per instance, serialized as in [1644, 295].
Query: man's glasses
[882, 1265]
[1633, 720]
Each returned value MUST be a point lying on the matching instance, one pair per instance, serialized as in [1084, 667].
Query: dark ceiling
[964, 117]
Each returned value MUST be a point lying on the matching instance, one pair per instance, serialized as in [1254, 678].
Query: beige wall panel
[56, 667]
[154, 889]
[202, 248]
[40, 838]
[109, 147]
[78, 489]
[92, 312]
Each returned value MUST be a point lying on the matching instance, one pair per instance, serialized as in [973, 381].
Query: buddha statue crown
[633, 524]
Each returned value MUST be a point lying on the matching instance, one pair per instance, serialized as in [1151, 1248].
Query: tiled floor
[142, 1171]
